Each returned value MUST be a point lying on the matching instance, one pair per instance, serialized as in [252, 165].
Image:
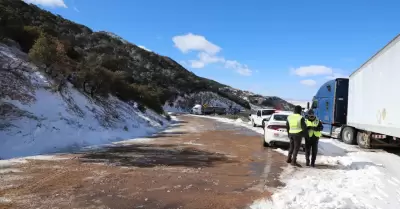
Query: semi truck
[364, 109]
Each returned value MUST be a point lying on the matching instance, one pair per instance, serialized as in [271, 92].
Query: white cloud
[308, 82]
[143, 47]
[48, 3]
[76, 9]
[238, 67]
[312, 70]
[191, 42]
[207, 53]
[205, 59]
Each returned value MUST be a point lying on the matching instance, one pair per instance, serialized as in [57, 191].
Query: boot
[313, 164]
[307, 162]
[294, 163]
[289, 159]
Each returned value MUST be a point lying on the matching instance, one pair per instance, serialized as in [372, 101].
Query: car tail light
[275, 127]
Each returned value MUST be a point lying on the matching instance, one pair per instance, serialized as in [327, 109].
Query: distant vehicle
[364, 109]
[197, 110]
[261, 116]
[200, 110]
[275, 129]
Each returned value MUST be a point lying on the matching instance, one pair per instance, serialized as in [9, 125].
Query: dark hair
[297, 109]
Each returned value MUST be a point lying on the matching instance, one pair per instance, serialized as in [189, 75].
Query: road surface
[197, 163]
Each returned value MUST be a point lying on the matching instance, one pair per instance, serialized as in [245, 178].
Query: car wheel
[265, 144]
[263, 124]
[254, 125]
[271, 144]
[348, 135]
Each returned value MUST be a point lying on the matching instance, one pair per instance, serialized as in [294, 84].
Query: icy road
[201, 162]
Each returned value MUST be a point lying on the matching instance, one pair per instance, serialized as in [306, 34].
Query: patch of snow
[11, 162]
[45, 157]
[4, 200]
[193, 143]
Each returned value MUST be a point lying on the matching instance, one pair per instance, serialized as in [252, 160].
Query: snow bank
[68, 120]
[346, 177]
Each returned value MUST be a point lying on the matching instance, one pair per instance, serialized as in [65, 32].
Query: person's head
[311, 115]
[297, 109]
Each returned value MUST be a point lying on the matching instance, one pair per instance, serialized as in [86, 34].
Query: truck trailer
[365, 108]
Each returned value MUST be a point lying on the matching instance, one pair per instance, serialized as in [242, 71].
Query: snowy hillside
[35, 118]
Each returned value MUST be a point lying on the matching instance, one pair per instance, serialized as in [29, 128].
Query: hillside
[102, 63]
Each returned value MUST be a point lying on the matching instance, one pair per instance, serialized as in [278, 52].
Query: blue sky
[281, 48]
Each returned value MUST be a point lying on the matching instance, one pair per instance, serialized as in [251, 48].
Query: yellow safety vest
[294, 123]
[313, 124]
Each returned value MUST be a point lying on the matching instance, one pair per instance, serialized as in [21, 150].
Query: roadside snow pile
[239, 120]
[356, 180]
[345, 177]
[52, 121]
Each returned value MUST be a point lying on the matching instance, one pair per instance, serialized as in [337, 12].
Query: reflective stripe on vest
[294, 123]
[313, 124]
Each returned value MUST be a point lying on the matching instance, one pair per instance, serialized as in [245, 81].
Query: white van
[197, 110]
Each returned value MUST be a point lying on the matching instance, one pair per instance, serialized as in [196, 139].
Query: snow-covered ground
[56, 121]
[348, 177]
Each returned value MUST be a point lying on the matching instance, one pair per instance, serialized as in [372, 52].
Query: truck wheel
[348, 135]
[363, 140]
[263, 124]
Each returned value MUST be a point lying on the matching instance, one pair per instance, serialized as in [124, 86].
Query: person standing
[297, 129]
[314, 127]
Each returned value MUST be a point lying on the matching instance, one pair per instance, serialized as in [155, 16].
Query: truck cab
[330, 105]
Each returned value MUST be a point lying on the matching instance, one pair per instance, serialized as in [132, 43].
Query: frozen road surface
[202, 162]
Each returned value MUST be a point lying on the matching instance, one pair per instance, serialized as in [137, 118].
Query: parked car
[261, 116]
[275, 129]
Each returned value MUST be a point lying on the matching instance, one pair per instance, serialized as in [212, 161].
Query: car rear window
[268, 112]
[280, 117]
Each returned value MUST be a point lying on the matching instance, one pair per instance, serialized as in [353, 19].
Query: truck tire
[348, 135]
[363, 140]
[263, 124]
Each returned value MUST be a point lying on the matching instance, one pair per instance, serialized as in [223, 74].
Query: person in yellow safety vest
[297, 129]
[314, 127]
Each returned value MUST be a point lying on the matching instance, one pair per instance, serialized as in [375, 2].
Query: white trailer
[374, 98]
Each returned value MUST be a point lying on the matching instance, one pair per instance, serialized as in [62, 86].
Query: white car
[275, 130]
[261, 117]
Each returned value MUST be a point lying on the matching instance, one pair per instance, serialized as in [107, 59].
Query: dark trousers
[312, 146]
[295, 142]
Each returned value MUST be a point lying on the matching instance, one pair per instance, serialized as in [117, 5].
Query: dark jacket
[303, 133]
